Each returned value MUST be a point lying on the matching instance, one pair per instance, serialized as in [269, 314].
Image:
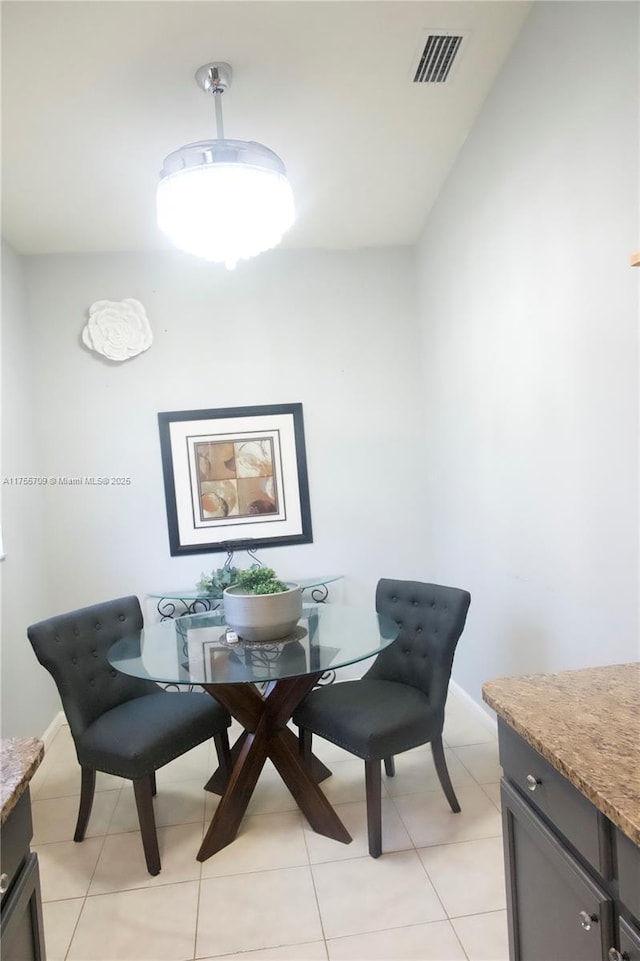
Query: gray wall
[29, 697]
[336, 331]
[529, 314]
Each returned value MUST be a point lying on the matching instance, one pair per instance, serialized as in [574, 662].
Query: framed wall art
[235, 478]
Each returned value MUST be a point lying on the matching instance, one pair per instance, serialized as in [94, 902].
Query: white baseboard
[489, 721]
[48, 736]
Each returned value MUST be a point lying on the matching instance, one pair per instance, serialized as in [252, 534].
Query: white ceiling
[95, 94]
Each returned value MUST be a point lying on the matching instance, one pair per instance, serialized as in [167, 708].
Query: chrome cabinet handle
[4, 882]
[532, 782]
[615, 955]
[587, 920]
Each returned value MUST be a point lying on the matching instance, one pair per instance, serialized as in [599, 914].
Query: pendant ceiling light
[224, 200]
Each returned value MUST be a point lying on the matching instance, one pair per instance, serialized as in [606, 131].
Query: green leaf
[260, 580]
[213, 584]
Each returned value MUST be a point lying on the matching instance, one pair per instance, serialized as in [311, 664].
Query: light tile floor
[280, 891]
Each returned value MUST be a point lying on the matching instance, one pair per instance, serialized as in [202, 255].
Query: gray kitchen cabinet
[21, 928]
[573, 879]
[557, 912]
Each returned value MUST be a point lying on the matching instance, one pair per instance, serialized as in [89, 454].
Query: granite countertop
[20, 758]
[587, 725]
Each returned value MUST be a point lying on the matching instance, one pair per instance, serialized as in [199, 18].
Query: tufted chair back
[432, 619]
[73, 648]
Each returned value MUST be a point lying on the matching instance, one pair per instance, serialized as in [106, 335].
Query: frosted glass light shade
[224, 200]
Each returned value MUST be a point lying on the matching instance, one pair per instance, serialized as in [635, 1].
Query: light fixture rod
[217, 96]
[215, 78]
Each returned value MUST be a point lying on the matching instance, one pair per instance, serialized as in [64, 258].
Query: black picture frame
[235, 478]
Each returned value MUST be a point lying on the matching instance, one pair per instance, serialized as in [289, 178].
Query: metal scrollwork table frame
[172, 604]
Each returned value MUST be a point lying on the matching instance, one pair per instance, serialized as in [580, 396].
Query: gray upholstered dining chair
[399, 703]
[121, 725]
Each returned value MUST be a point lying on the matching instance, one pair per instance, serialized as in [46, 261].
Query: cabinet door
[556, 910]
[629, 943]
[628, 873]
[21, 930]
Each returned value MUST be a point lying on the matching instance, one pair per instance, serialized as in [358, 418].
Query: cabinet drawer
[555, 798]
[16, 835]
[628, 873]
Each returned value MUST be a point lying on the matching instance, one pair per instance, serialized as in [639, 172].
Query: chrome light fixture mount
[223, 200]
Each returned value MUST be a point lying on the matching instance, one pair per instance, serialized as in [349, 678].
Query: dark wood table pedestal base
[266, 735]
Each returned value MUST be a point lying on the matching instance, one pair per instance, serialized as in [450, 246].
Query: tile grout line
[75, 928]
[202, 832]
[313, 882]
[86, 894]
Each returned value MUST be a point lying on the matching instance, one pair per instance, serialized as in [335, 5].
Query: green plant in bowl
[260, 580]
[261, 607]
[214, 583]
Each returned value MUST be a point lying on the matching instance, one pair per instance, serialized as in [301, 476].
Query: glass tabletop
[194, 649]
[306, 583]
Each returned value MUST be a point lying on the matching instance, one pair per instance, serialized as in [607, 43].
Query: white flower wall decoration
[117, 329]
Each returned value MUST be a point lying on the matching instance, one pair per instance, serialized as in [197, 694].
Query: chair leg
[372, 776]
[389, 766]
[144, 802]
[305, 739]
[223, 751]
[87, 789]
[443, 774]
[154, 788]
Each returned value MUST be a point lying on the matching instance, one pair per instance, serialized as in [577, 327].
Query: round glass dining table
[260, 684]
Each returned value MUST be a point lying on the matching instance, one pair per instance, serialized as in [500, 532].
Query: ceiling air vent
[437, 58]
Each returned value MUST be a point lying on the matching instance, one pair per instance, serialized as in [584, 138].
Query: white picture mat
[182, 434]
